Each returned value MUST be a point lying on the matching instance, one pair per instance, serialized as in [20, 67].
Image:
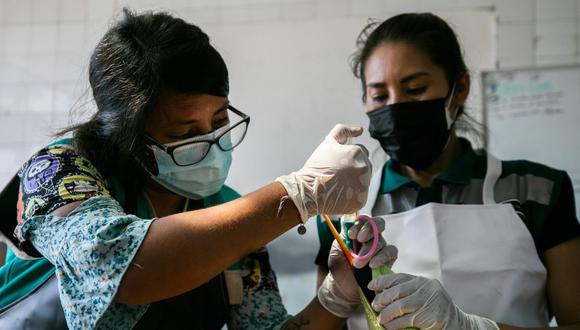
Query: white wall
[45, 44]
[295, 80]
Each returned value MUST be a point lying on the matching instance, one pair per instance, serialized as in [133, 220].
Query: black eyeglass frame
[169, 150]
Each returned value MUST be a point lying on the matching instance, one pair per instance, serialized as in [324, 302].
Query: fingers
[341, 133]
[364, 250]
[335, 249]
[337, 259]
[364, 149]
[387, 281]
[362, 230]
[387, 255]
[401, 322]
[397, 303]
[393, 294]
[341, 271]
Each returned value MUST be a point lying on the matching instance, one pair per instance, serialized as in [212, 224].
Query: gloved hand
[334, 180]
[413, 301]
[339, 290]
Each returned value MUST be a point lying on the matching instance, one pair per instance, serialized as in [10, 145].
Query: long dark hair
[139, 59]
[428, 33]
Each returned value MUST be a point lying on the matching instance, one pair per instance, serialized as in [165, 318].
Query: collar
[460, 173]
[392, 180]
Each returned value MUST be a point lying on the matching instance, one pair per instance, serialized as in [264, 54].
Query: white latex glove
[334, 180]
[339, 291]
[405, 301]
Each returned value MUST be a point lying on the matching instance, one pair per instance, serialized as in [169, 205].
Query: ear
[461, 92]
[462, 87]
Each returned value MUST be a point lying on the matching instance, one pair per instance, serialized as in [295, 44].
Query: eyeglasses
[194, 150]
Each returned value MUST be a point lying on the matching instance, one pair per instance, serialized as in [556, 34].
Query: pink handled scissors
[376, 238]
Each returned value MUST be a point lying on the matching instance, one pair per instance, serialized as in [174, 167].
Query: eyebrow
[402, 81]
[223, 108]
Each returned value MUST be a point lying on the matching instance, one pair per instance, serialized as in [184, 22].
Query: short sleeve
[261, 306]
[561, 223]
[91, 248]
[53, 177]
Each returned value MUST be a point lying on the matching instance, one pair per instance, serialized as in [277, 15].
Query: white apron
[483, 255]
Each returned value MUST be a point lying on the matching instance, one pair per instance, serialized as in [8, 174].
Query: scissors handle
[375, 244]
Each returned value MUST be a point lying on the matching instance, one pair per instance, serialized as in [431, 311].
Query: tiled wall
[45, 44]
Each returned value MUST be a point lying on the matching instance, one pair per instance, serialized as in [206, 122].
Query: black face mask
[413, 133]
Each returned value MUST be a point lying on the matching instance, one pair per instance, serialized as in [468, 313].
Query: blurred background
[289, 70]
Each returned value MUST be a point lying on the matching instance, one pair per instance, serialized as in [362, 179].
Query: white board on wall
[534, 114]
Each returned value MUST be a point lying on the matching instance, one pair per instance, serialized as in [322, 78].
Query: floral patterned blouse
[93, 246]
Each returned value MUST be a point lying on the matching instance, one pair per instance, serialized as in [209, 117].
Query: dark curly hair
[139, 59]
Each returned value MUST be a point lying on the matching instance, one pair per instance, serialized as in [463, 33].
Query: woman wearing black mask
[477, 237]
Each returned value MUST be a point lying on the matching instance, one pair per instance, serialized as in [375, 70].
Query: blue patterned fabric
[91, 249]
[261, 306]
[94, 245]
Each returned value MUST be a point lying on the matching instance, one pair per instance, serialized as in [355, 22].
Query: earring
[301, 229]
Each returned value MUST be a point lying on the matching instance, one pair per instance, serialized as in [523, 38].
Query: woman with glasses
[130, 221]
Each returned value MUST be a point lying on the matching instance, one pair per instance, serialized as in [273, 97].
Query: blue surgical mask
[196, 181]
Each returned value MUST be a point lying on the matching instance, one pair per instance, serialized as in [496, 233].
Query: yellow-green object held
[372, 320]
[371, 315]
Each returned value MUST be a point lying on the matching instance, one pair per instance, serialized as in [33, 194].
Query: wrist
[333, 302]
[290, 184]
[475, 322]
[485, 323]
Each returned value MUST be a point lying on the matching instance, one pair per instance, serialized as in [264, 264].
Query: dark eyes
[217, 124]
[416, 91]
[410, 91]
[180, 137]
[380, 98]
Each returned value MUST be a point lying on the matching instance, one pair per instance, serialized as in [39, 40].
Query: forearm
[185, 250]
[314, 316]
